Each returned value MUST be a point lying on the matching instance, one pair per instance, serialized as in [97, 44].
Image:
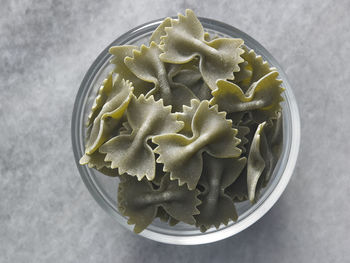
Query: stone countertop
[46, 212]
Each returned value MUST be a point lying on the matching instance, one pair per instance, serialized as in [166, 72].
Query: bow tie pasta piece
[271, 146]
[134, 198]
[118, 97]
[139, 201]
[184, 204]
[100, 98]
[130, 153]
[217, 207]
[256, 163]
[146, 65]
[184, 40]
[182, 156]
[119, 54]
[263, 98]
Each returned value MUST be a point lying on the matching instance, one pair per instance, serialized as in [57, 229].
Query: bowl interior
[104, 188]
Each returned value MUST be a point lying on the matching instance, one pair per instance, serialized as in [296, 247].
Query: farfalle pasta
[146, 65]
[141, 208]
[118, 94]
[185, 40]
[212, 133]
[262, 98]
[256, 163]
[190, 123]
[273, 145]
[217, 207]
[147, 118]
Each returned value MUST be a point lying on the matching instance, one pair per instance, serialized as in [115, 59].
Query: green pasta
[146, 65]
[217, 207]
[141, 208]
[191, 124]
[212, 133]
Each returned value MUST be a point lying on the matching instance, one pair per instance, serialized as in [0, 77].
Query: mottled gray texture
[47, 214]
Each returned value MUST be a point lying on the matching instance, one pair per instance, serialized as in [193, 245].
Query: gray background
[47, 214]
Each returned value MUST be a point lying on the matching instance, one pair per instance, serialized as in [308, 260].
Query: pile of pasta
[190, 123]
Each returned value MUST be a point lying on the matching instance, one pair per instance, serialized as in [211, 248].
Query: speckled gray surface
[47, 214]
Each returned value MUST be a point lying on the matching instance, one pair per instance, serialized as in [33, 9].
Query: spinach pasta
[191, 124]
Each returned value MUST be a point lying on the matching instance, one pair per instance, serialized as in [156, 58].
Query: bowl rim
[264, 206]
